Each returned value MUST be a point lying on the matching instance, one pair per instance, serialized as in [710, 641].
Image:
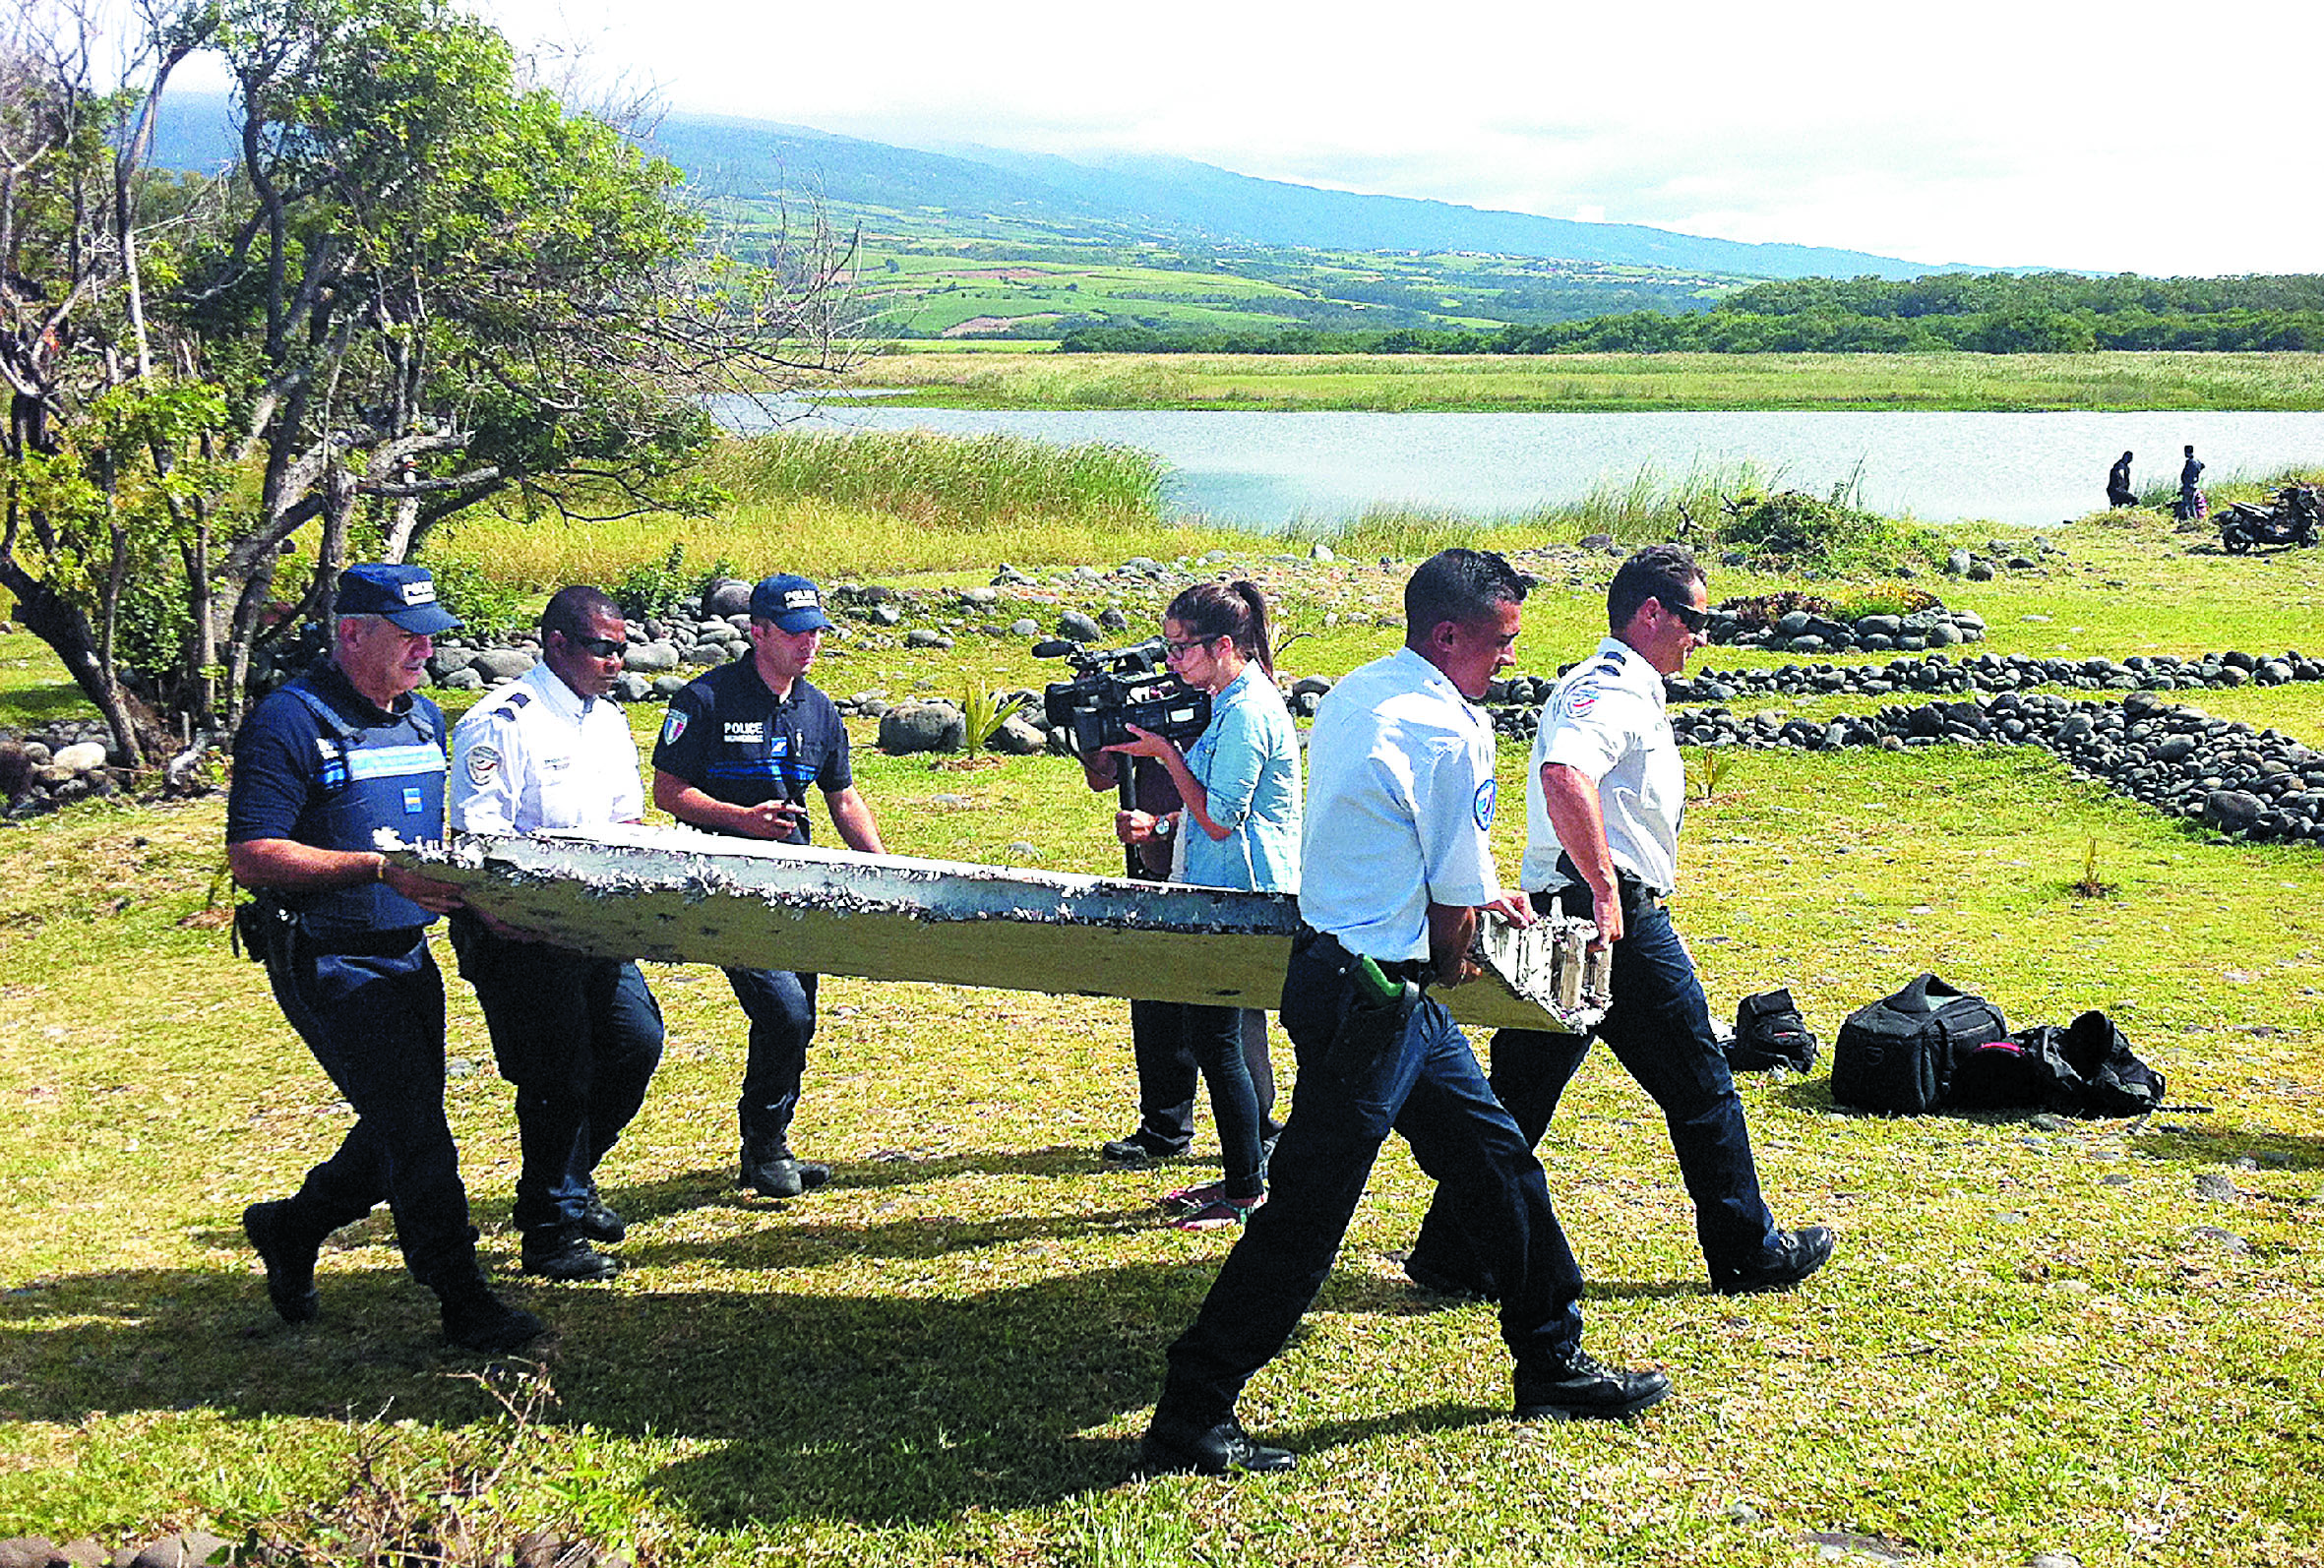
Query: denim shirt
[1247, 763]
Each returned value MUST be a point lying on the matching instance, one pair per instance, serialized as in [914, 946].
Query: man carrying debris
[1602, 802]
[737, 751]
[321, 766]
[1397, 870]
[579, 1036]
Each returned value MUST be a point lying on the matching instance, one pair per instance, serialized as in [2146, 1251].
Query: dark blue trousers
[1658, 1028]
[580, 1039]
[375, 1023]
[1426, 1088]
[781, 1008]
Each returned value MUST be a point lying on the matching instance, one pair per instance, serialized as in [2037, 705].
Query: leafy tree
[421, 287]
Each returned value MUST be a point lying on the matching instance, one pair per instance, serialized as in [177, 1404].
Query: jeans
[781, 1008]
[580, 1039]
[1658, 1028]
[1428, 1089]
[1216, 1038]
[1167, 1072]
[375, 1023]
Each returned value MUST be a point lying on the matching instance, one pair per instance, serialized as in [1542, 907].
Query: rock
[1957, 563]
[80, 757]
[2224, 1240]
[27, 1551]
[465, 679]
[183, 1550]
[496, 665]
[16, 770]
[632, 688]
[2054, 1559]
[1073, 625]
[1024, 626]
[982, 598]
[668, 685]
[2218, 1188]
[1019, 736]
[1021, 850]
[727, 596]
[1978, 571]
[1322, 552]
[2233, 811]
[911, 727]
[923, 638]
[1112, 620]
[650, 658]
[1006, 576]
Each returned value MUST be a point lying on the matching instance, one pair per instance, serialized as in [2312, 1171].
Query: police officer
[1400, 795]
[1603, 800]
[579, 1036]
[320, 767]
[738, 750]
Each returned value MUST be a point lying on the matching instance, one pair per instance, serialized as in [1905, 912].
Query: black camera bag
[1897, 1054]
[1770, 1033]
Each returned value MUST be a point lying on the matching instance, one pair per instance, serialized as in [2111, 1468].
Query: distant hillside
[1172, 201]
[1178, 201]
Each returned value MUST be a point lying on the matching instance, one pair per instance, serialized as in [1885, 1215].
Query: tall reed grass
[862, 503]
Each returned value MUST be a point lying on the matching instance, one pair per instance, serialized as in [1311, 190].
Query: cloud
[2050, 132]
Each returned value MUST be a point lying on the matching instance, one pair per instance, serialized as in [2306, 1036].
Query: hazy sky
[2129, 134]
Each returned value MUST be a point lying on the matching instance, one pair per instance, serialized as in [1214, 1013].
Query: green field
[1603, 383]
[2093, 1339]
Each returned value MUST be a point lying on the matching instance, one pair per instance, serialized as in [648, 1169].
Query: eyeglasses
[602, 647]
[1179, 650]
[1687, 615]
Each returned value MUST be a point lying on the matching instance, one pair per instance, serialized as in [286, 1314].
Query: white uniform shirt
[1607, 720]
[537, 755]
[1400, 795]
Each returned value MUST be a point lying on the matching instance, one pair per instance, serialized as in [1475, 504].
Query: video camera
[1112, 691]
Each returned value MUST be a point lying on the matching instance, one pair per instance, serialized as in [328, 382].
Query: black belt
[1416, 970]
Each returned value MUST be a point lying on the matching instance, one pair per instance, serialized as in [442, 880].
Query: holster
[262, 930]
[1375, 1007]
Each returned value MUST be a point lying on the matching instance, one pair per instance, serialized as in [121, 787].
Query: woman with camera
[1237, 827]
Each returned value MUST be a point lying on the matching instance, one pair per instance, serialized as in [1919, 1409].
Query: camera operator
[1237, 826]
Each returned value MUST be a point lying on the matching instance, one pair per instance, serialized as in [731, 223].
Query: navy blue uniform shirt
[734, 739]
[331, 779]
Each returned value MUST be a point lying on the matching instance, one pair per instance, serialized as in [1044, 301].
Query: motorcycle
[2294, 516]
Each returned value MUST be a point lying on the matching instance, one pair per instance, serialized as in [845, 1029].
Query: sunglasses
[1179, 650]
[1687, 615]
[602, 647]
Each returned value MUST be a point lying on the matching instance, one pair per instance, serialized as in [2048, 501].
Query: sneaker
[289, 1259]
[1581, 1387]
[1795, 1256]
[1219, 1213]
[1185, 1200]
[783, 1177]
[477, 1319]
[1175, 1448]
[562, 1255]
[599, 1222]
[1139, 1149]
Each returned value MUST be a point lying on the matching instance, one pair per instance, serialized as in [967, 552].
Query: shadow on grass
[898, 1408]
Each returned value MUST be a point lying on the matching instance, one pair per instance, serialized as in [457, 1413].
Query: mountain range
[992, 193]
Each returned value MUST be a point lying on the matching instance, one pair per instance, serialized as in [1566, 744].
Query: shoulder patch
[518, 698]
[673, 726]
[1576, 700]
[1488, 795]
[483, 763]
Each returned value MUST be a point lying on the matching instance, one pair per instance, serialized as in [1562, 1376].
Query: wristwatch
[1164, 826]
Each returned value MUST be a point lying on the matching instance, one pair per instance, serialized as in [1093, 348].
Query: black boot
[477, 1319]
[781, 1174]
[599, 1221]
[288, 1251]
[562, 1253]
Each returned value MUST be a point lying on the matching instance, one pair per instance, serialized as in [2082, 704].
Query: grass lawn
[2088, 1338]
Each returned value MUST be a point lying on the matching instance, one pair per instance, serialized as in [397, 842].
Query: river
[1262, 471]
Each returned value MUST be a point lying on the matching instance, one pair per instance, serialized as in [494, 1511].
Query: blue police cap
[406, 595]
[790, 602]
